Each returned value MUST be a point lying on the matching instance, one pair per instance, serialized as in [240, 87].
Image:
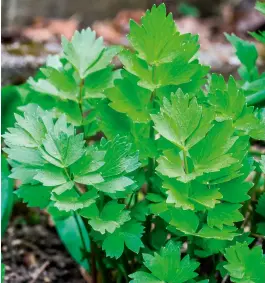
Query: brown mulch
[33, 253]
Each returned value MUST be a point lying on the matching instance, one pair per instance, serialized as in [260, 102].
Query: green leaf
[51, 175]
[167, 266]
[157, 39]
[63, 148]
[73, 234]
[182, 121]
[177, 72]
[76, 51]
[235, 191]
[25, 155]
[58, 83]
[224, 214]
[184, 220]
[97, 83]
[245, 265]
[35, 195]
[71, 200]
[227, 233]
[211, 153]
[260, 6]
[30, 127]
[247, 54]
[129, 98]
[6, 195]
[128, 234]
[105, 168]
[109, 219]
[10, 100]
[120, 150]
[191, 195]
[3, 270]
[228, 101]
[141, 276]
[140, 211]
[260, 36]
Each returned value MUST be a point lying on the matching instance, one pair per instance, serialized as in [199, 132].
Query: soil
[33, 253]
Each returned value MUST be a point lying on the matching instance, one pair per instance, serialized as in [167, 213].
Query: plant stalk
[80, 102]
[82, 238]
[256, 98]
[93, 262]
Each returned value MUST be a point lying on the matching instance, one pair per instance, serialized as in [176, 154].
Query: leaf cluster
[136, 156]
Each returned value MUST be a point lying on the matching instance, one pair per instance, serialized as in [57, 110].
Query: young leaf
[156, 39]
[71, 200]
[184, 220]
[167, 266]
[224, 214]
[128, 234]
[76, 53]
[182, 121]
[247, 54]
[129, 98]
[245, 265]
[58, 83]
[109, 219]
[35, 196]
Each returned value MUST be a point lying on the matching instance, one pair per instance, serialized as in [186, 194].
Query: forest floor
[33, 253]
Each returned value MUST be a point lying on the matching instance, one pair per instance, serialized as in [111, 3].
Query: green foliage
[127, 159]
[252, 82]
[245, 265]
[6, 195]
[260, 6]
[128, 234]
[3, 269]
[10, 100]
[188, 10]
[167, 266]
[73, 234]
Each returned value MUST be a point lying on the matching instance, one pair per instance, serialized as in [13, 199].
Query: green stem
[248, 212]
[96, 258]
[101, 200]
[123, 271]
[80, 101]
[93, 262]
[130, 200]
[186, 167]
[82, 237]
[256, 98]
[101, 265]
[151, 161]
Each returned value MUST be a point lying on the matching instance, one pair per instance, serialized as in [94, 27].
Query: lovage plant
[151, 160]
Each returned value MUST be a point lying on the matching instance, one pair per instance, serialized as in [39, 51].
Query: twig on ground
[39, 271]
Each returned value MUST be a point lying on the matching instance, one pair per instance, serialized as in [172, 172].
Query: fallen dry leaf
[38, 34]
[109, 33]
[63, 27]
[122, 19]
